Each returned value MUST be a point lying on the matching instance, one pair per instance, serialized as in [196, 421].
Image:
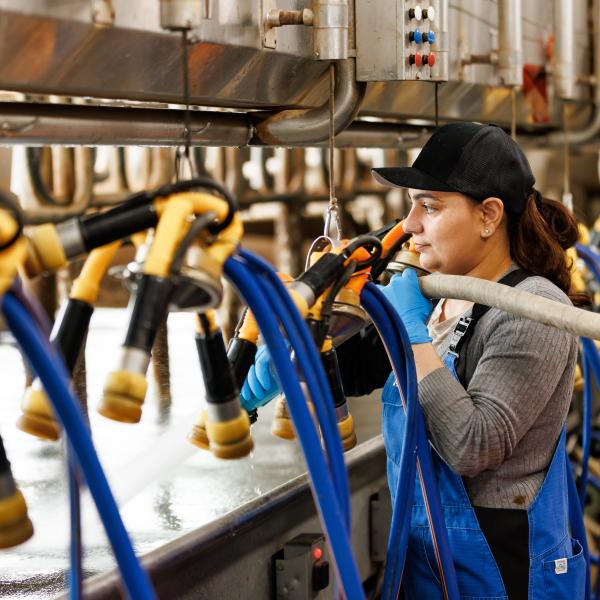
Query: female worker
[494, 388]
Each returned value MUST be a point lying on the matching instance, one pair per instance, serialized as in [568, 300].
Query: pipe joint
[330, 26]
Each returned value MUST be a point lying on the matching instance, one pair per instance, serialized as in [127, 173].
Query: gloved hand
[414, 309]
[261, 384]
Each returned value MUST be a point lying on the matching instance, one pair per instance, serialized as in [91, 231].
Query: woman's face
[446, 228]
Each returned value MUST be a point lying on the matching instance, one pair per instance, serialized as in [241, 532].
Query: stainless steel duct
[592, 129]
[299, 127]
[510, 43]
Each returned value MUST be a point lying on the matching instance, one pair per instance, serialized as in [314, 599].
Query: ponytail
[539, 238]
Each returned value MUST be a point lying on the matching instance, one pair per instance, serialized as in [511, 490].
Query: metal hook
[183, 156]
[333, 223]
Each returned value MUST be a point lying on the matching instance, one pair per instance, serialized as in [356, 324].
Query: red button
[431, 60]
[418, 59]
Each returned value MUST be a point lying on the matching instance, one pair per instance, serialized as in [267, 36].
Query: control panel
[398, 40]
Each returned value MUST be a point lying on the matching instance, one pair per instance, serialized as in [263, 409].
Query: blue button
[431, 37]
[417, 36]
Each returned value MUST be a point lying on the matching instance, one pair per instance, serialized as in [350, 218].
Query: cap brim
[409, 177]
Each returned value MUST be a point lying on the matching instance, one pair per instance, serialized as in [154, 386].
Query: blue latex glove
[261, 384]
[414, 309]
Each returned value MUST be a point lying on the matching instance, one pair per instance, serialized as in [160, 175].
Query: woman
[494, 388]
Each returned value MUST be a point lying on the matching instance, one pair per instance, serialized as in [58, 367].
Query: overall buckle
[459, 331]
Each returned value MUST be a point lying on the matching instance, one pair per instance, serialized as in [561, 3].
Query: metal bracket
[381, 517]
[269, 33]
[103, 13]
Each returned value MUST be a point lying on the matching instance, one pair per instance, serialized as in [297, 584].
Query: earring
[486, 233]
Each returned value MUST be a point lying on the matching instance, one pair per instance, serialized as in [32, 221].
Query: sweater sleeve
[520, 367]
[363, 361]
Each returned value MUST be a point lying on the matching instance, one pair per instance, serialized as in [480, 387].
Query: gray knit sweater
[500, 433]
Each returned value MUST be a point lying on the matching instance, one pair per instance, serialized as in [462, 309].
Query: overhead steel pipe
[43, 124]
[299, 127]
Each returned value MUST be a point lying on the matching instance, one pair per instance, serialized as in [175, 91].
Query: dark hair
[539, 237]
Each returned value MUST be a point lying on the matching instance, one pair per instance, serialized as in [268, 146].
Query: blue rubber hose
[322, 485]
[330, 433]
[75, 573]
[404, 370]
[429, 484]
[53, 375]
[576, 522]
[591, 365]
[75, 577]
[591, 259]
[320, 392]
[325, 411]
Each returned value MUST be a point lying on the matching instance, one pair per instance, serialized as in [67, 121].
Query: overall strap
[466, 325]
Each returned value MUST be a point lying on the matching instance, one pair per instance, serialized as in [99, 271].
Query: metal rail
[234, 553]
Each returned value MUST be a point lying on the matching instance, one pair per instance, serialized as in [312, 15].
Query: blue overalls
[558, 566]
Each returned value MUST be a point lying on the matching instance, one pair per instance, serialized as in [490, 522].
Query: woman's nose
[412, 223]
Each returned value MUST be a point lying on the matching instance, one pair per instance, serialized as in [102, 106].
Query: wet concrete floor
[165, 486]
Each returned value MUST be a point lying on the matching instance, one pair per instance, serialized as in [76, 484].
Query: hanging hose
[76, 568]
[591, 259]
[51, 371]
[395, 343]
[426, 473]
[320, 392]
[201, 182]
[264, 307]
[591, 364]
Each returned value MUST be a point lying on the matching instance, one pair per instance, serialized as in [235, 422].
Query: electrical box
[400, 40]
[301, 569]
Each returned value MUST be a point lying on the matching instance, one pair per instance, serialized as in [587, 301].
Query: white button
[418, 13]
[431, 13]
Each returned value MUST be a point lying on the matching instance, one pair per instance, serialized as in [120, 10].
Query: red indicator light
[317, 553]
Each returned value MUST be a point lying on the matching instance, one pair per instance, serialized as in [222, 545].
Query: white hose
[497, 295]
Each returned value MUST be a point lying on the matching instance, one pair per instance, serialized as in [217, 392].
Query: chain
[183, 155]
[333, 226]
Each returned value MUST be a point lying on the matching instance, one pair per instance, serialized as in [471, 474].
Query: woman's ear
[492, 211]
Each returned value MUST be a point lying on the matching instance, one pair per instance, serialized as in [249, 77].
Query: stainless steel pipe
[299, 127]
[563, 68]
[43, 124]
[330, 29]
[510, 43]
[592, 128]
[73, 125]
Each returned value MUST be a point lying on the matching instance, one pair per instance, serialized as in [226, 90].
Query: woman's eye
[428, 209]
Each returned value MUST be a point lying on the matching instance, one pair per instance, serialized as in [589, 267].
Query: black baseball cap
[480, 161]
